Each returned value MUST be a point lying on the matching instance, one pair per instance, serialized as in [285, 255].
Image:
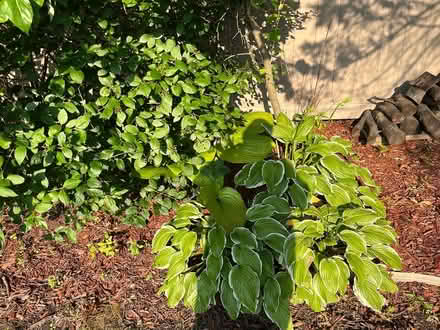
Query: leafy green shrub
[115, 113]
[305, 227]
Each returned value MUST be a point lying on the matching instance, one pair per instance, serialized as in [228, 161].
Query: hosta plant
[307, 225]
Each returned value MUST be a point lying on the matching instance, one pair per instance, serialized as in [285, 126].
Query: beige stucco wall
[359, 49]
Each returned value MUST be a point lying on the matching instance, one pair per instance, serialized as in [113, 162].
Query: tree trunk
[267, 62]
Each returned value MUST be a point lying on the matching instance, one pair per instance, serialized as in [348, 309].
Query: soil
[50, 285]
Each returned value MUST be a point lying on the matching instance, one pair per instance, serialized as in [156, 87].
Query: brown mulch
[120, 292]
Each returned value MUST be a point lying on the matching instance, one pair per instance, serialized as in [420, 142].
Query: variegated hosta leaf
[188, 244]
[267, 226]
[230, 303]
[329, 273]
[217, 240]
[338, 167]
[242, 255]
[321, 290]
[190, 284]
[388, 255]
[275, 241]
[240, 179]
[300, 270]
[246, 286]
[368, 295]
[177, 237]
[364, 269]
[286, 284]
[255, 178]
[272, 293]
[289, 166]
[388, 284]
[281, 205]
[344, 272]
[283, 129]
[280, 315]
[162, 260]
[298, 195]
[176, 291]
[360, 217]
[325, 148]
[161, 238]
[304, 128]
[206, 289]
[374, 203]
[273, 173]
[187, 210]
[177, 265]
[226, 269]
[245, 237]
[280, 189]
[354, 241]
[259, 211]
[338, 196]
[374, 234]
[258, 199]
[295, 247]
[214, 266]
[267, 263]
[310, 228]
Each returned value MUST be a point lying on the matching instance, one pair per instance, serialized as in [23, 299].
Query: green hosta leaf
[304, 128]
[387, 284]
[286, 285]
[163, 259]
[329, 272]
[296, 247]
[298, 195]
[177, 266]
[244, 237]
[161, 238]
[360, 217]
[217, 240]
[77, 76]
[190, 285]
[364, 269]
[187, 210]
[62, 117]
[320, 289]
[272, 293]
[368, 295]
[374, 203]
[5, 142]
[325, 148]
[344, 274]
[227, 207]
[43, 207]
[20, 154]
[283, 129]
[388, 255]
[241, 177]
[366, 176]
[230, 303]
[354, 241]
[275, 241]
[338, 196]
[310, 228]
[300, 270]
[214, 266]
[18, 12]
[266, 226]
[246, 286]
[243, 255]
[252, 149]
[71, 183]
[281, 317]
[374, 234]
[188, 244]
[338, 167]
[273, 173]
[206, 289]
[281, 205]
[259, 211]
[15, 179]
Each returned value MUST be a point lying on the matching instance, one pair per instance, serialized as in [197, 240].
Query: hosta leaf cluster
[314, 225]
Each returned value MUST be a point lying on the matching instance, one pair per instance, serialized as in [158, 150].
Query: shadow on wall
[384, 37]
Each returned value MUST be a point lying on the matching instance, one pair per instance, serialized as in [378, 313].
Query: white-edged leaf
[329, 271]
[368, 295]
[246, 286]
[354, 241]
[217, 240]
[360, 217]
[214, 266]
[298, 195]
[240, 179]
[230, 303]
[281, 205]
[162, 260]
[243, 255]
[161, 238]
[388, 255]
[188, 244]
[176, 291]
[266, 226]
[190, 284]
[244, 237]
[272, 293]
[255, 178]
[275, 241]
[375, 234]
[206, 289]
[259, 211]
[273, 173]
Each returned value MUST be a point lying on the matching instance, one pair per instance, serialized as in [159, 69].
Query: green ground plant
[300, 225]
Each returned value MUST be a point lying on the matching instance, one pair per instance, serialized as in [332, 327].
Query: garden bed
[120, 292]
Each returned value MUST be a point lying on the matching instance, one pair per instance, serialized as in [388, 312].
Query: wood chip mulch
[120, 292]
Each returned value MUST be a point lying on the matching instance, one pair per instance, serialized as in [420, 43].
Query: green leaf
[241, 177]
[266, 226]
[230, 303]
[190, 285]
[187, 210]
[163, 259]
[150, 172]
[368, 295]
[374, 234]
[246, 286]
[63, 197]
[283, 129]
[255, 177]
[329, 272]
[272, 293]
[259, 211]
[388, 255]
[43, 207]
[360, 217]
[176, 291]
[243, 255]
[296, 247]
[6, 192]
[77, 76]
[206, 289]
[244, 237]
[177, 266]
[95, 168]
[161, 132]
[71, 183]
[62, 117]
[188, 244]
[298, 195]
[19, 13]
[217, 240]
[15, 179]
[214, 266]
[275, 241]
[281, 205]
[273, 173]
[5, 142]
[304, 128]
[20, 154]
[161, 238]
[337, 196]
[188, 87]
[338, 167]
[354, 241]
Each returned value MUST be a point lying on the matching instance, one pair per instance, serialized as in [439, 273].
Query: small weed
[135, 247]
[52, 281]
[107, 247]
